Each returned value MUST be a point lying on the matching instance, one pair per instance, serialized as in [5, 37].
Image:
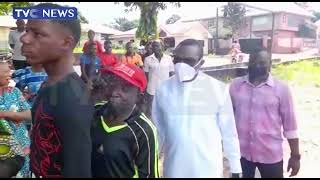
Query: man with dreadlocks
[124, 139]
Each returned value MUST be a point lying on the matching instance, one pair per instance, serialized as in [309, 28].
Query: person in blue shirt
[29, 80]
[90, 64]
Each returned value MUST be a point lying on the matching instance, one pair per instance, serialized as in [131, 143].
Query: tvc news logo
[64, 13]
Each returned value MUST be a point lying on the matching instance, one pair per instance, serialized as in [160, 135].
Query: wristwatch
[296, 156]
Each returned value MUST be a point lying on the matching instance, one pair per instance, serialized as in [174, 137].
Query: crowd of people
[122, 114]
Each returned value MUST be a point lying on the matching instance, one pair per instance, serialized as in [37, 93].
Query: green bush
[300, 73]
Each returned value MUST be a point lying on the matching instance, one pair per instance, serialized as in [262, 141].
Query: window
[284, 18]
[265, 21]
[293, 21]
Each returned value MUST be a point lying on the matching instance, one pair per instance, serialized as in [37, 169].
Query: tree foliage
[82, 18]
[304, 5]
[123, 24]
[147, 28]
[174, 18]
[316, 16]
[234, 17]
[6, 7]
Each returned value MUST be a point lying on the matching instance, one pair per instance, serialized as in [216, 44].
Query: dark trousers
[149, 105]
[17, 64]
[266, 170]
[10, 167]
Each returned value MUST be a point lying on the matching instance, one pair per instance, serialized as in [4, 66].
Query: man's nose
[25, 38]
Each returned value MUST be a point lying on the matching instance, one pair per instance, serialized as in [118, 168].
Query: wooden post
[250, 26]
[217, 27]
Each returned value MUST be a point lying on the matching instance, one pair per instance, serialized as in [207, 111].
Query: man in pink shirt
[263, 110]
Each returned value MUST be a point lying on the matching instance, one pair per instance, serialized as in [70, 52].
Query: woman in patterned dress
[14, 139]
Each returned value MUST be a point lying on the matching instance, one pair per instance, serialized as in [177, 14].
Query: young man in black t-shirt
[124, 139]
[62, 113]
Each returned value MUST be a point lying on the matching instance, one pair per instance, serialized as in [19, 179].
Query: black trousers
[17, 64]
[149, 105]
[10, 167]
[266, 170]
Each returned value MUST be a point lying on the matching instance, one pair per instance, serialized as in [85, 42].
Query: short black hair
[192, 42]
[72, 25]
[107, 41]
[91, 31]
[129, 43]
[258, 52]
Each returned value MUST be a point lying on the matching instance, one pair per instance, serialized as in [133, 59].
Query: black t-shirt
[126, 151]
[60, 138]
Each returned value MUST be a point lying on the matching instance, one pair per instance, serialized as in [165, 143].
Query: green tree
[234, 17]
[304, 5]
[174, 18]
[82, 18]
[147, 28]
[6, 7]
[316, 16]
[123, 24]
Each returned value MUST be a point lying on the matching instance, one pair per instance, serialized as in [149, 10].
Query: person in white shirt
[158, 68]
[19, 61]
[193, 114]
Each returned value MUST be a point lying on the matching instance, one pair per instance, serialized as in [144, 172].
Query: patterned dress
[13, 100]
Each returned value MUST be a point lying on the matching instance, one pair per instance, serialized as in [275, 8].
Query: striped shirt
[124, 151]
[262, 112]
[32, 80]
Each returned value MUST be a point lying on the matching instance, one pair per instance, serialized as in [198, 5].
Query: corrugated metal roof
[98, 28]
[180, 28]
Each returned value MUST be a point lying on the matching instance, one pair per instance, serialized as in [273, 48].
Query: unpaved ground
[307, 106]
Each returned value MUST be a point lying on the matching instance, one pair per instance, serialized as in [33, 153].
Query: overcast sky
[105, 12]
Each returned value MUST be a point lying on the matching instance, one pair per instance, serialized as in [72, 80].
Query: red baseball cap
[130, 73]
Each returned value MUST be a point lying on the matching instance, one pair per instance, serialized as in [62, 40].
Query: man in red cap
[124, 140]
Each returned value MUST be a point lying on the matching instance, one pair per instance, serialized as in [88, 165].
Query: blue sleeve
[18, 78]
[83, 59]
[21, 101]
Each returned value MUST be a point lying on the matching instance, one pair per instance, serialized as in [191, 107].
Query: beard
[257, 72]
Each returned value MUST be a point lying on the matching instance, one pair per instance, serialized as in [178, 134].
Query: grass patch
[300, 73]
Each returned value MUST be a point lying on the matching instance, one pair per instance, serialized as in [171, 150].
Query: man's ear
[69, 42]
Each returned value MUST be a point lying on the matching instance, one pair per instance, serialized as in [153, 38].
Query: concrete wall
[4, 37]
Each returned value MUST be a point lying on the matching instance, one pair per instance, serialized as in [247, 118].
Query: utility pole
[272, 33]
[217, 27]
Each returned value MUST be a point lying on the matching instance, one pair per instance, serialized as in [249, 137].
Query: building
[291, 23]
[7, 23]
[173, 34]
[101, 32]
[122, 38]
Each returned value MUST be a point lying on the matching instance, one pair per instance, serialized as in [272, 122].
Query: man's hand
[294, 164]
[90, 84]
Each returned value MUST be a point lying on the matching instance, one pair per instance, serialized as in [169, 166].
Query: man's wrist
[295, 156]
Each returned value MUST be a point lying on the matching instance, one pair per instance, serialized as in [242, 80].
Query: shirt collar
[269, 82]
